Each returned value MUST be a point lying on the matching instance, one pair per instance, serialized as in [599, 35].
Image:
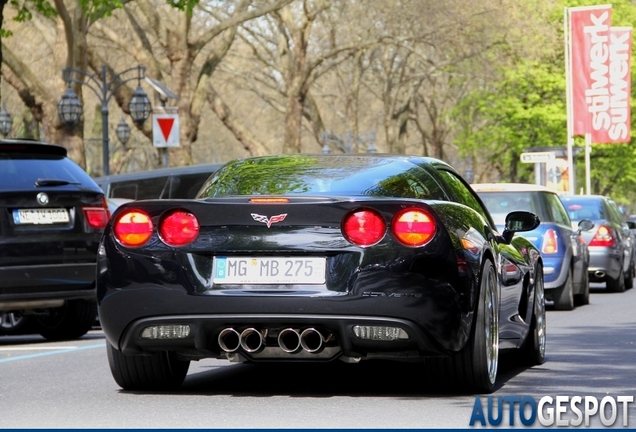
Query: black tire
[161, 371]
[629, 278]
[564, 296]
[70, 321]
[616, 285]
[584, 297]
[476, 364]
[533, 348]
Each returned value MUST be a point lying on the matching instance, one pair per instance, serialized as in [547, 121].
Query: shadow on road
[371, 378]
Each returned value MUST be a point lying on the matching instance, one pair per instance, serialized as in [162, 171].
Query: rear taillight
[550, 243]
[364, 227]
[179, 228]
[133, 228]
[413, 227]
[97, 217]
[603, 237]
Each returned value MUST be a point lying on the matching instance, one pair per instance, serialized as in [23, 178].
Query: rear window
[331, 176]
[499, 204]
[585, 209]
[20, 171]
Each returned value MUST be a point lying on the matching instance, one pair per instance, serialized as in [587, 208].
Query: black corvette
[318, 258]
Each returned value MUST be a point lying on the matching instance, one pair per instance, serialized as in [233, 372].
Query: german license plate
[40, 216]
[269, 270]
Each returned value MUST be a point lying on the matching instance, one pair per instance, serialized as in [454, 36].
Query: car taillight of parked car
[550, 244]
[97, 217]
[603, 237]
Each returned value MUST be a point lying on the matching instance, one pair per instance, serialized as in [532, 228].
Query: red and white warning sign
[165, 126]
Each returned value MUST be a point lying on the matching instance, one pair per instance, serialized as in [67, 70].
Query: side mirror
[585, 225]
[519, 221]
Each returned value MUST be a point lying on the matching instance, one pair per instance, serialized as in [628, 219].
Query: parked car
[52, 215]
[565, 254]
[315, 258]
[176, 182]
[631, 224]
[611, 243]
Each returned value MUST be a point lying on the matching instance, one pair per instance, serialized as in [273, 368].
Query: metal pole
[588, 150]
[105, 149]
[569, 102]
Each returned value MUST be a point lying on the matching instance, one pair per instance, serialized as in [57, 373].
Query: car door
[625, 234]
[578, 248]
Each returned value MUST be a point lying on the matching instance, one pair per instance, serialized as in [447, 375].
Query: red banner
[612, 116]
[589, 65]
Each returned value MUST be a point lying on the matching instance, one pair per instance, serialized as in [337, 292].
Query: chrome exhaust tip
[251, 340]
[289, 341]
[312, 340]
[229, 340]
[599, 274]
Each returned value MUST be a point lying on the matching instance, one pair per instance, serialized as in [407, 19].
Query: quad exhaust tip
[290, 340]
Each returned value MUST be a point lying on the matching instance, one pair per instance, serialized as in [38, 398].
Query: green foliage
[525, 108]
[24, 11]
[92, 8]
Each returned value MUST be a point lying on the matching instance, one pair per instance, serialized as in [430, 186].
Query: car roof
[586, 197]
[160, 172]
[510, 187]
[31, 146]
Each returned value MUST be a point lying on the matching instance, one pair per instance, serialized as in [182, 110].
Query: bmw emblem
[43, 198]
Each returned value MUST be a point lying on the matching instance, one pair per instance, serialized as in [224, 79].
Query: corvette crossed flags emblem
[268, 221]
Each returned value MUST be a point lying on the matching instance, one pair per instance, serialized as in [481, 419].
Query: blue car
[565, 254]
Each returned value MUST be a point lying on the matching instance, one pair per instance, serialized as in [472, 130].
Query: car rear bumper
[36, 285]
[555, 271]
[431, 315]
[604, 263]
[336, 337]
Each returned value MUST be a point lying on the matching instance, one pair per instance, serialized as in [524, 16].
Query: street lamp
[123, 132]
[70, 108]
[6, 121]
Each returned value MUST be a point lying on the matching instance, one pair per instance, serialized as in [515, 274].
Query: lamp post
[6, 121]
[70, 108]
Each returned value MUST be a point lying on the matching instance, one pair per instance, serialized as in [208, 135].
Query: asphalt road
[591, 352]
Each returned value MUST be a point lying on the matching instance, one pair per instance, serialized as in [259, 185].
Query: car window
[150, 188]
[462, 193]
[187, 185]
[557, 210]
[500, 203]
[585, 209]
[18, 169]
[323, 176]
[615, 213]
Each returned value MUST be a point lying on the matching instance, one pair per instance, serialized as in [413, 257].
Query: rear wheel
[629, 277]
[70, 321]
[616, 285]
[160, 371]
[584, 297]
[476, 365]
[564, 296]
[533, 348]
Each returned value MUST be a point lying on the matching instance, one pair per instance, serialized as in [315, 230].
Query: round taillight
[413, 227]
[179, 228]
[364, 227]
[133, 228]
